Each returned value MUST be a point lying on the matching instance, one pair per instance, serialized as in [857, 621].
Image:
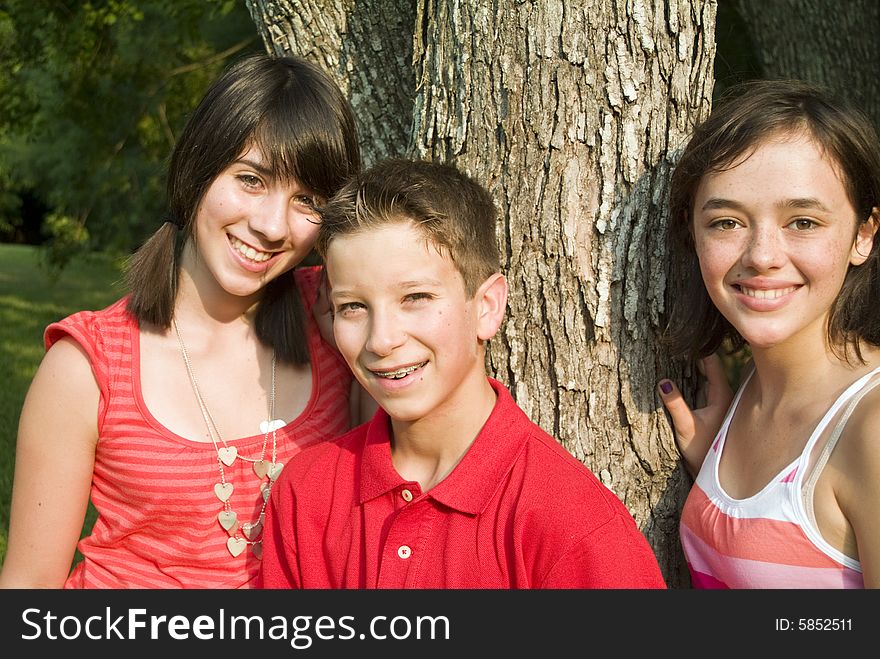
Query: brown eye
[803, 224]
[250, 180]
[725, 224]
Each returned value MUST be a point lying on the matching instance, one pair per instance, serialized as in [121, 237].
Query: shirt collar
[470, 486]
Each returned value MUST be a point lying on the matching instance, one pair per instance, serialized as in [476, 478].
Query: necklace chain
[227, 517]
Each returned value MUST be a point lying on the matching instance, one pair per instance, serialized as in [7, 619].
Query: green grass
[30, 299]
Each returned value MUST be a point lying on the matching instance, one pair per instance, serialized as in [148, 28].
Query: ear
[864, 242]
[491, 301]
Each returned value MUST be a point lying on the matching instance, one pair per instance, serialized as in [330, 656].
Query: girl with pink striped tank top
[175, 409]
[775, 206]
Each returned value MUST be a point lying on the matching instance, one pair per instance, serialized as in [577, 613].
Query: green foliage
[10, 203]
[94, 94]
[30, 299]
[67, 238]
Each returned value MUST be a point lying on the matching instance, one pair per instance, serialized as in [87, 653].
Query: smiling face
[250, 228]
[404, 324]
[774, 236]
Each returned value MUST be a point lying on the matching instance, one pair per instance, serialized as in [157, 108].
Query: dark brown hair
[303, 124]
[455, 212]
[748, 115]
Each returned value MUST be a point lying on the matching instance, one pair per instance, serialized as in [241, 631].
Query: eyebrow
[260, 167]
[404, 285]
[420, 283]
[717, 203]
[806, 202]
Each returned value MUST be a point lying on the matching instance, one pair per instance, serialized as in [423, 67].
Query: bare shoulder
[64, 385]
[858, 451]
[855, 466]
[67, 359]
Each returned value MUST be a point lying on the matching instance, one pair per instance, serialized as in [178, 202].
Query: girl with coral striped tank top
[175, 409]
[775, 207]
[770, 539]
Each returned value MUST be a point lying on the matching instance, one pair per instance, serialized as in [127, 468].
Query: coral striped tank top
[157, 524]
[769, 540]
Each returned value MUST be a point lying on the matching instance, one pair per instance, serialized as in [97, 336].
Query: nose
[385, 333]
[271, 218]
[764, 250]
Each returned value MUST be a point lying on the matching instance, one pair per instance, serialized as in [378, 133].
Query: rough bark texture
[832, 43]
[568, 111]
[367, 45]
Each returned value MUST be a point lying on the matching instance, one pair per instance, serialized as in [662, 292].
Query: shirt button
[404, 552]
[407, 495]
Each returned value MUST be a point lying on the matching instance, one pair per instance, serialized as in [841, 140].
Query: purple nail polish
[666, 386]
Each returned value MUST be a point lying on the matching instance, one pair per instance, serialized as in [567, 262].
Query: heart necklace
[226, 455]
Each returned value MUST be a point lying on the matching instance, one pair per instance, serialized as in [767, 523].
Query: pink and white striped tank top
[769, 540]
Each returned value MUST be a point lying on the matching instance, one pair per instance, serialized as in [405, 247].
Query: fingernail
[666, 387]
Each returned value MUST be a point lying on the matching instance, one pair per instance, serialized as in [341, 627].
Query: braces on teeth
[399, 373]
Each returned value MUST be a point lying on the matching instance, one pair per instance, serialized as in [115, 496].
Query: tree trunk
[567, 111]
[831, 43]
[368, 45]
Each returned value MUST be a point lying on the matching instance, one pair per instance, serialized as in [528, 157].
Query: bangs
[295, 139]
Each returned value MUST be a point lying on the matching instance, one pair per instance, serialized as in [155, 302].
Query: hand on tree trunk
[695, 429]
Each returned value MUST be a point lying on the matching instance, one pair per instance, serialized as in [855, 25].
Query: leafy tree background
[92, 97]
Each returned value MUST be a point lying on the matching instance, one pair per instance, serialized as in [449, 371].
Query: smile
[766, 294]
[249, 252]
[399, 373]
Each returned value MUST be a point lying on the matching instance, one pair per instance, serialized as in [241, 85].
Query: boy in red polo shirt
[450, 485]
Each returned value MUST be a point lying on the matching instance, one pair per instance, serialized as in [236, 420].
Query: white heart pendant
[227, 519]
[275, 470]
[252, 531]
[267, 488]
[223, 491]
[261, 468]
[236, 545]
[269, 426]
[257, 548]
[227, 455]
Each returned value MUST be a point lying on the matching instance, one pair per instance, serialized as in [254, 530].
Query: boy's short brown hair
[455, 213]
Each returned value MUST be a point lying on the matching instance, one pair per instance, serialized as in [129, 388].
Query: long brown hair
[747, 115]
[303, 124]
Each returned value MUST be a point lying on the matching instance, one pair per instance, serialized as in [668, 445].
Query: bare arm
[858, 463]
[55, 456]
[695, 429]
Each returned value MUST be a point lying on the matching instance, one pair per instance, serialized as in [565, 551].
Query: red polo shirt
[518, 511]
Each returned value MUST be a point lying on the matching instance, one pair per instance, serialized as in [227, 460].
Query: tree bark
[570, 112]
[367, 44]
[831, 43]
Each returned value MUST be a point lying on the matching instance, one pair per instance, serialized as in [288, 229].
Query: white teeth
[399, 373]
[770, 294]
[249, 252]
